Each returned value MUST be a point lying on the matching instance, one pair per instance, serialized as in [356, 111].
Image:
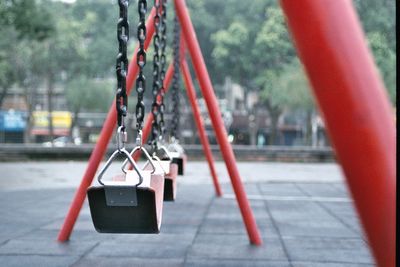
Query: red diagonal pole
[199, 123]
[101, 145]
[356, 110]
[216, 119]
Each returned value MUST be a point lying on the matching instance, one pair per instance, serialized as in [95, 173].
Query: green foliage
[89, 94]
[22, 22]
[385, 58]
[7, 51]
[255, 48]
[235, 39]
[378, 21]
[247, 40]
[28, 18]
[253, 54]
[288, 88]
[273, 41]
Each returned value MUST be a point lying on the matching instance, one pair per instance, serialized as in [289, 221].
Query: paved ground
[303, 211]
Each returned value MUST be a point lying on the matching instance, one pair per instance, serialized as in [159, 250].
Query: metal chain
[141, 62]
[122, 62]
[156, 76]
[163, 63]
[175, 81]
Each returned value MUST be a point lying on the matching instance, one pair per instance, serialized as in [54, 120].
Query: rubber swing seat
[119, 206]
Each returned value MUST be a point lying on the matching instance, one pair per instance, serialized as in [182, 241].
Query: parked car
[63, 141]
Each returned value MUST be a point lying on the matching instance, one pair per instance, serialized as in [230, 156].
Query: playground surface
[303, 210]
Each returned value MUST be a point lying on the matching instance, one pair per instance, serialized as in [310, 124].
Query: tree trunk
[253, 129]
[3, 96]
[308, 134]
[74, 123]
[30, 86]
[50, 89]
[30, 102]
[274, 113]
[274, 129]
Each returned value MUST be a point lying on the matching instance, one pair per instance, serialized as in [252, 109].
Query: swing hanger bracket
[139, 138]
[122, 138]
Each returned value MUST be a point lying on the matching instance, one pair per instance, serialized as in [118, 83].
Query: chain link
[141, 62]
[175, 81]
[156, 75]
[122, 62]
[163, 64]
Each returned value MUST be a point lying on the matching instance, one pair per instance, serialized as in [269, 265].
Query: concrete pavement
[303, 211]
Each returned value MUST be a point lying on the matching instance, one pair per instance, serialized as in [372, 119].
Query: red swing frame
[350, 95]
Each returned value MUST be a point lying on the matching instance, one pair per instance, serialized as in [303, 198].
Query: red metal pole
[101, 145]
[149, 120]
[216, 119]
[199, 123]
[356, 110]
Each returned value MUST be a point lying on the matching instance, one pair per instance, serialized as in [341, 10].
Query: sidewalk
[303, 212]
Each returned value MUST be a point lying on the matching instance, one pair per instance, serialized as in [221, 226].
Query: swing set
[347, 88]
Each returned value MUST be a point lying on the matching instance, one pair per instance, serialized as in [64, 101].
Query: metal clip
[122, 138]
[139, 138]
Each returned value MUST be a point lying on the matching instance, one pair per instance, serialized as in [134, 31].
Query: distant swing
[176, 151]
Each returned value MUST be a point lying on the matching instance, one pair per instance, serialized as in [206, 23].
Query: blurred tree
[287, 89]
[378, 21]
[257, 59]
[385, 58]
[20, 21]
[29, 18]
[46, 41]
[60, 57]
[99, 36]
[256, 50]
[85, 94]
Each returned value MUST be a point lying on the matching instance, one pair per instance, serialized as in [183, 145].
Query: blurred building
[30, 107]
[24, 118]
[12, 126]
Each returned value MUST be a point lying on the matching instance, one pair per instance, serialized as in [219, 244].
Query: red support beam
[191, 92]
[216, 119]
[356, 111]
[101, 145]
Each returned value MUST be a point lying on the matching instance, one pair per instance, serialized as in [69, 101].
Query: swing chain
[156, 76]
[122, 62]
[163, 63]
[141, 62]
[175, 81]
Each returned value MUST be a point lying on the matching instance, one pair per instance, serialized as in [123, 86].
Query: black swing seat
[119, 206]
[179, 159]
